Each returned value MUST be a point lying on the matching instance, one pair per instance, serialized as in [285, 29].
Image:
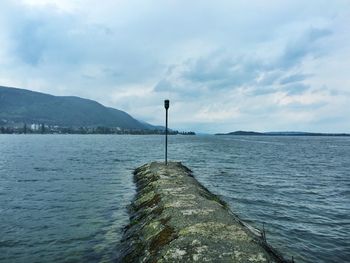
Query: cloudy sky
[225, 65]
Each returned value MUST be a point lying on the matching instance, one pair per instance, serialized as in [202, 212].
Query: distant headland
[26, 111]
[288, 133]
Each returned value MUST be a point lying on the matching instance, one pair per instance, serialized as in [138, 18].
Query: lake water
[63, 198]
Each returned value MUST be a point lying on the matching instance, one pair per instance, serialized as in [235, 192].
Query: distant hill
[156, 127]
[242, 133]
[25, 106]
[289, 133]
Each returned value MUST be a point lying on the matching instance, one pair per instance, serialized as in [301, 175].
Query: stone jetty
[173, 218]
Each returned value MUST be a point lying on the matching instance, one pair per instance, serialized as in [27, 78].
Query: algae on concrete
[175, 219]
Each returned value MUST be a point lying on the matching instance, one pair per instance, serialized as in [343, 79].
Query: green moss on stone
[152, 229]
[162, 238]
[144, 198]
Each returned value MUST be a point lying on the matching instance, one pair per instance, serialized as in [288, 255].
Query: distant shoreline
[116, 134]
[251, 133]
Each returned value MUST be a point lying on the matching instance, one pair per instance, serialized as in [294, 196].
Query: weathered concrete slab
[175, 219]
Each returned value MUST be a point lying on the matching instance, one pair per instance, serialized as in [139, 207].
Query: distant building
[35, 127]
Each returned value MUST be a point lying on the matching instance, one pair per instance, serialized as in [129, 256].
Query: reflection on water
[64, 197]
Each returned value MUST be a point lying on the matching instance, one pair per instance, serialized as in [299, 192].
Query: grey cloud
[301, 107]
[184, 89]
[210, 68]
[296, 88]
[220, 71]
[268, 77]
[290, 89]
[264, 90]
[294, 78]
[304, 45]
[31, 45]
[217, 72]
[38, 36]
[164, 85]
[56, 41]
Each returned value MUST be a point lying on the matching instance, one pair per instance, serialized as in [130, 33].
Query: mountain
[289, 133]
[25, 106]
[153, 127]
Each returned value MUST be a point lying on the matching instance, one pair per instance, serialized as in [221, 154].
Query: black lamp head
[166, 104]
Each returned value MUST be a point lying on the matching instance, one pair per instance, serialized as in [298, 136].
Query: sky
[225, 65]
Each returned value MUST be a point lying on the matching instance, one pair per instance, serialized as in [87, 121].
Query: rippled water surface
[63, 198]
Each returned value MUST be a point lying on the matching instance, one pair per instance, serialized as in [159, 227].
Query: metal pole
[166, 106]
[166, 137]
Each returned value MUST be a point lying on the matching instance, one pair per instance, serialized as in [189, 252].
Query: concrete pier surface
[173, 218]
